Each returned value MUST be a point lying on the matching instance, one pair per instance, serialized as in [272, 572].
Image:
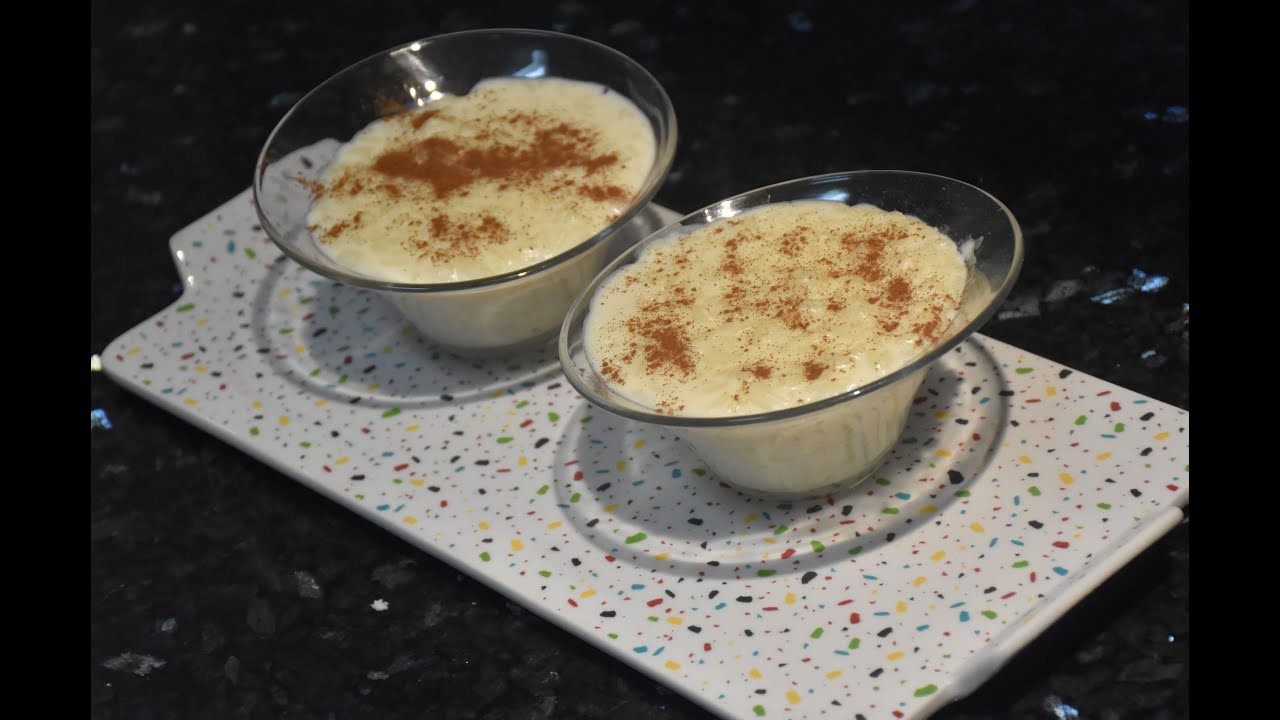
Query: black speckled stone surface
[254, 592]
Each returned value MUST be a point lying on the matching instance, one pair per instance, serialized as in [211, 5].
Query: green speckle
[543, 490]
[636, 538]
[521, 404]
[575, 497]
[962, 493]
[504, 440]
[553, 417]
[253, 431]
[250, 253]
[1119, 427]
[186, 307]
[612, 636]
[397, 481]
[780, 529]
[1081, 420]
[315, 372]
[765, 572]
[1023, 370]
[890, 511]
[333, 310]
[817, 633]
[513, 368]
[587, 419]
[305, 444]
[359, 496]
[882, 481]
[484, 556]
[1105, 506]
[1034, 490]
[652, 618]
[856, 550]
[989, 614]
[817, 546]
[391, 413]
[306, 300]
[758, 710]
[1021, 564]
[342, 379]
[926, 690]
[854, 643]
[544, 573]
[699, 472]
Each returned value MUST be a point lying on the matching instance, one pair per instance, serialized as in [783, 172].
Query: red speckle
[854, 618]
[1033, 400]
[346, 360]
[326, 468]
[571, 602]
[1007, 595]
[188, 356]
[610, 558]
[401, 466]
[976, 437]
[222, 386]
[577, 475]
[364, 430]
[1172, 487]
[844, 602]
[501, 470]
[1114, 406]
[805, 659]
[308, 316]
[444, 503]
[770, 609]
[1104, 392]
[1062, 544]
[788, 553]
[919, 400]
[654, 602]
[1033, 577]
[706, 646]
[526, 423]
[897, 713]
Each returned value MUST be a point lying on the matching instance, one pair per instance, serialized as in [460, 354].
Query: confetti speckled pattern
[1017, 488]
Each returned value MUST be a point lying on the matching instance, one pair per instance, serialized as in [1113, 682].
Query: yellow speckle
[1050, 391]
[622, 465]
[1162, 435]
[750, 518]
[754, 673]
[190, 401]
[495, 394]
[662, 556]
[257, 404]
[938, 555]
[284, 419]
[411, 519]
[770, 541]
[1024, 459]
[516, 545]
[673, 665]
[895, 655]
[555, 525]
[793, 697]
[522, 461]
[675, 620]
[202, 322]
[928, 509]
[834, 674]
[321, 403]
[1104, 456]
[901, 607]
[412, 428]
[134, 351]
[283, 293]
[300, 348]
[416, 482]
[942, 453]
[372, 387]
[202, 368]
[342, 460]
[586, 594]
[977, 527]
[611, 508]
[639, 444]
[1066, 478]
[942, 414]
[386, 350]
[484, 525]
[918, 581]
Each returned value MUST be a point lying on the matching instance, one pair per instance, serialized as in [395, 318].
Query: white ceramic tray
[1018, 487]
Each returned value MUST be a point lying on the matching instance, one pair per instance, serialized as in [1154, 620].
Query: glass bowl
[476, 317]
[834, 443]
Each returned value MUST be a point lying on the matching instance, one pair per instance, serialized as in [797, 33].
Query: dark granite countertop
[220, 588]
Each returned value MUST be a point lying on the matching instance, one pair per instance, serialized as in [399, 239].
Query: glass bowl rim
[666, 146]
[923, 361]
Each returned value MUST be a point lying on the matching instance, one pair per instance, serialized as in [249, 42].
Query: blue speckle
[98, 419]
[799, 21]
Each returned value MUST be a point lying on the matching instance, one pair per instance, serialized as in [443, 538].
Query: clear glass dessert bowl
[487, 315]
[832, 443]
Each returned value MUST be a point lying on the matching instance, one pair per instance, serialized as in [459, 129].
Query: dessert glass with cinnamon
[476, 180]
[784, 332]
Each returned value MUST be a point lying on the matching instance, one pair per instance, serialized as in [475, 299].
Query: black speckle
[890, 537]
[1109, 480]
[961, 421]
[846, 510]
[333, 433]
[1014, 423]
[1064, 374]
[748, 633]
[885, 632]
[454, 459]
[446, 397]
[1146, 452]
[592, 522]
[989, 590]
[541, 442]
[433, 488]
[482, 462]
[1135, 492]
[713, 563]
[357, 477]
[744, 598]
[608, 613]
[319, 332]
[1147, 416]
[1036, 524]
[670, 594]
[695, 629]
[576, 562]
[804, 579]
[876, 673]
[955, 476]
[604, 487]
[553, 386]
[1006, 393]
[813, 509]
[695, 521]
[713, 593]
